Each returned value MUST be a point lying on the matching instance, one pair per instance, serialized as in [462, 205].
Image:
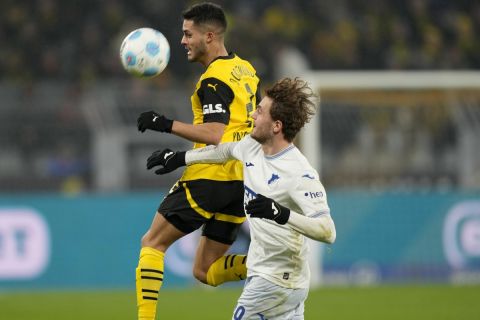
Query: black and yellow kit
[212, 194]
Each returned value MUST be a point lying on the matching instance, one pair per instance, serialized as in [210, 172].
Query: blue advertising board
[92, 241]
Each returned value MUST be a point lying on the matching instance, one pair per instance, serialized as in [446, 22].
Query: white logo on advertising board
[461, 235]
[24, 244]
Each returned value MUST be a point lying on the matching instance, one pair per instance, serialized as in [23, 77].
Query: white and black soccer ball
[145, 52]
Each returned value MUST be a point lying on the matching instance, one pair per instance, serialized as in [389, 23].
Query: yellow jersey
[227, 92]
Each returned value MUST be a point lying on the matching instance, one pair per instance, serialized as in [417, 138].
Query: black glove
[266, 208]
[167, 158]
[153, 121]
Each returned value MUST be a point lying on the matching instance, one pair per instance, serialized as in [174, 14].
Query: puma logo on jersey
[210, 108]
[155, 118]
[273, 178]
[168, 154]
[249, 164]
[214, 86]
[308, 176]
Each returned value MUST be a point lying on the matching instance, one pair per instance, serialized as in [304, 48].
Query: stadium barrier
[92, 241]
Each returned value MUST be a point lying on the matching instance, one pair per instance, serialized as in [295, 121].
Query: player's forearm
[319, 228]
[211, 154]
[207, 133]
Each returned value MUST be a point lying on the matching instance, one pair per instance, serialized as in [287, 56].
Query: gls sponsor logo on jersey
[210, 108]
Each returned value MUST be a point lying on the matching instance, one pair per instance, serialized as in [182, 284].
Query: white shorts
[263, 300]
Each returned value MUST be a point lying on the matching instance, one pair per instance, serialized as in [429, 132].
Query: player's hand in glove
[154, 121]
[167, 158]
[266, 208]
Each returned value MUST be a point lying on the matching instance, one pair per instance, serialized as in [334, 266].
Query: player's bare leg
[208, 251]
[161, 235]
[212, 267]
[149, 273]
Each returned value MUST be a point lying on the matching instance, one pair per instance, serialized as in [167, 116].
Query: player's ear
[209, 36]
[277, 126]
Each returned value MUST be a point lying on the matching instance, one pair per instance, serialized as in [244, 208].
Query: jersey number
[239, 312]
[249, 105]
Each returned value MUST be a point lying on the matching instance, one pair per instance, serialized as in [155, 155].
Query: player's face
[194, 41]
[263, 126]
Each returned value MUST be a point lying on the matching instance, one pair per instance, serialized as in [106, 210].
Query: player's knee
[145, 242]
[153, 242]
[200, 274]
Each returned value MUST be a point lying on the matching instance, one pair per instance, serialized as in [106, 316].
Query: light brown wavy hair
[292, 105]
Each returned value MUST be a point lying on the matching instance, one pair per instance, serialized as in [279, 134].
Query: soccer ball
[145, 52]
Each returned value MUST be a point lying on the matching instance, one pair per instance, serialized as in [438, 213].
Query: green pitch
[399, 302]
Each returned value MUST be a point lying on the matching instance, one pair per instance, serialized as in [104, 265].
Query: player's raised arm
[154, 121]
[171, 160]
[211, 154]
[207, 133]
[168, 159]
[213, 99]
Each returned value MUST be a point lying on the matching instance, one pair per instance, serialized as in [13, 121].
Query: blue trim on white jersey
[250, 191]
[306, 175]
[281, 153]
[318, 214]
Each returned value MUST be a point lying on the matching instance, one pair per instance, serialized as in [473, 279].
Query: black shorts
[217, 205]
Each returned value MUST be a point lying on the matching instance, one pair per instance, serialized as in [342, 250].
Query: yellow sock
[149, 279]
[227, 268]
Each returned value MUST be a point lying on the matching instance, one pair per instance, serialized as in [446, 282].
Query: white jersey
[277, 252]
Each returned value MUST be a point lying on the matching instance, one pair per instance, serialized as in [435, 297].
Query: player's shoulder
[294, 155]
[246, 148]
[302, 169]
[228, 66]
[249, 143]
[244, 61]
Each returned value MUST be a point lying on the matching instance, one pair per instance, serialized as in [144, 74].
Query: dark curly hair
[292, 105]
[206, 13]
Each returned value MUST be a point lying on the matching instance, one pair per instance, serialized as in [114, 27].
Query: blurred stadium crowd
[54, 53]
[76, 40]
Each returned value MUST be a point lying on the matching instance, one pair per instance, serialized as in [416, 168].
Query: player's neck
[274, 146]
[215, 52]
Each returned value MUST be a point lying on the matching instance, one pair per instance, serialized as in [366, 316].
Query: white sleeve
[319, 228]
[314, 221]
[244, 147]
[211, 154]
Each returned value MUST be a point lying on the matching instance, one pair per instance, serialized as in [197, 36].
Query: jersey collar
[231, 55]
[281, 153]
